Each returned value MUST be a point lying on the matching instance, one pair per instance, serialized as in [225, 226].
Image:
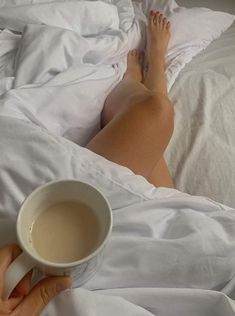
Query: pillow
[82, 17]
[13, 3]
[192, 30]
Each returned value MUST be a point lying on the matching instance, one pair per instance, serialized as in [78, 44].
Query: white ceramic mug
[40, 199]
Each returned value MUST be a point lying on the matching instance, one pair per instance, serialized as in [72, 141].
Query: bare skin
[158, 36]
[25, 299]
[137, 117]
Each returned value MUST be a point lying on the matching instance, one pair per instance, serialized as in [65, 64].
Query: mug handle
[15, 272]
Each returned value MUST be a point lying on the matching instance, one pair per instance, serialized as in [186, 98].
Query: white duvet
[74, 52]
[170, 253]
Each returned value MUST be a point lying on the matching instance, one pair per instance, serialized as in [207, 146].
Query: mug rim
[63, 264]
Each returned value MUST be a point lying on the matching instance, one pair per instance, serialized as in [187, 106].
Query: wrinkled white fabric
[69, 48]
[170, 253]
[142, 302]
[79, 16]
[204, 133]
[168, 250]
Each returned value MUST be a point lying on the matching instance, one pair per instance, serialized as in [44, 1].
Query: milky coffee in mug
[62, 228]
[65, 232]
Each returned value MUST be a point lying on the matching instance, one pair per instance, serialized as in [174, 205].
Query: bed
[170, 253]
[204, 133]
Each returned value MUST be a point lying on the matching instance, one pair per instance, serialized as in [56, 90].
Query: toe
[168, 25]
[129, 55]
[151, 17]
[160, 21]
[133, 52]
[156, 17]
[164, 22]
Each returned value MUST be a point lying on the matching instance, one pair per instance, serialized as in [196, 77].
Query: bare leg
[129, 90]
[160, 176]
[158, 35]
[139, 119]
[158, 31]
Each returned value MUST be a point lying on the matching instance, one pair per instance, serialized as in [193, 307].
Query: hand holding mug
[62, 228]
[24, 300]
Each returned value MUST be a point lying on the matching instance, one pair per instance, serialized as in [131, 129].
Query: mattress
[201, 153]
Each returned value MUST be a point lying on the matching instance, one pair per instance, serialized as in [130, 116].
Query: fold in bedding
[70, 48]
[54, 66]
[170, 253]
[204, 134]
[79, 16]
[168, 250]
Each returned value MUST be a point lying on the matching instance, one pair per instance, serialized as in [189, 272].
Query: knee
[161, 109]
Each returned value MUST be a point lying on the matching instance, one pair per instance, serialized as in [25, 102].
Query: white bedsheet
[169, 254]
[38, 81]
[204, 135]
[70, 48]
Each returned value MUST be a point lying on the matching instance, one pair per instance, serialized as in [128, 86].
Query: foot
[158, 35]
[134, 65]
[119, 96]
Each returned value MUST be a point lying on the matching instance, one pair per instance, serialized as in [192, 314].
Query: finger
[7, 255]
[23, 287]
[8, 306]
[41, 295]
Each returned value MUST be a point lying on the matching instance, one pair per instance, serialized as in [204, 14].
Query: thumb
[41, 294]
